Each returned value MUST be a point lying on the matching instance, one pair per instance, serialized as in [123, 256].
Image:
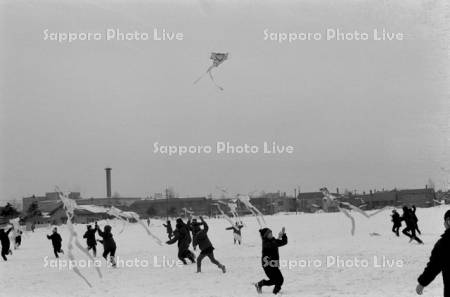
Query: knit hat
[264, 232]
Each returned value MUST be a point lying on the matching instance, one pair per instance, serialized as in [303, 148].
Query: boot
[258, 288]
[113, 261]
[276, 289]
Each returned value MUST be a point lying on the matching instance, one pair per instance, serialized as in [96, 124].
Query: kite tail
[212, 78]
[76, 270]
[344, 211]
[81, 248]
[357, 209]
[226, 217]
[158, 241]
[257, 218]
[124, 222]
[198, 79]
[70, 254]
[260, 214]
[206, 72]
[69, 208]
[380, 210]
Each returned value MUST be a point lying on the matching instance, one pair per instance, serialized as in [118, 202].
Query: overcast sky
[361, 115]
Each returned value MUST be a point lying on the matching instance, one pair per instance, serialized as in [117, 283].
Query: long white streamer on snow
[69, 206]
[332, 200]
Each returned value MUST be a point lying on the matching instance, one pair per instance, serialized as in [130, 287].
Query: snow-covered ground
[313, 239]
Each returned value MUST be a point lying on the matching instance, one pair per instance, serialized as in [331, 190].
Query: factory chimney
[108, 182]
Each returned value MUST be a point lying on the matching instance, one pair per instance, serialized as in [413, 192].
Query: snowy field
[313, 239]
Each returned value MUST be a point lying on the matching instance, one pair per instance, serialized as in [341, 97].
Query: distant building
[172, 206]
[46, 203]
[271, 203]
[122, 202]
[376, 200]
[58, 216]
[418, 197]
[310, 201]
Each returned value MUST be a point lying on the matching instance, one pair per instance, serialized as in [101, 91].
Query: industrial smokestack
[108, 182]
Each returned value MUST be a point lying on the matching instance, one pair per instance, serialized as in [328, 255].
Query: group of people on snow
[109, 245]
[411, 221]
[196, 232]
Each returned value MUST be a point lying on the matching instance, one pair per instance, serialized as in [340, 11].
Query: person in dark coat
[270, 259]
[206, 248]
[439, 261]
[56, 242]
[236, 232]
[4, 239]
[416, 220]
[90, 239]
[183, 237]
[194, 227]
[169, 229]
[410, 222]
[109, 245]
[397, 222]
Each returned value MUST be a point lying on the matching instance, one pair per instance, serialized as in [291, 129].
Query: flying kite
[333, 201]
[224, 214]
[217, 58]
[245, 199]
[69, 206]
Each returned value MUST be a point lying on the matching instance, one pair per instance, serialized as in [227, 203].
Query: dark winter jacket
[108, 240]
[270, 248]
[236, 229]
[408, 218]
[4, 238]
[439, 262]
[396, 219]
[182, 235]
[56, 239]
[194, 227]
[169, 229]
[90, 236]
[201, 238]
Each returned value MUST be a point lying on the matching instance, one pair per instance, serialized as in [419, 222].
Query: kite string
[352, 219]
[212, 78]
